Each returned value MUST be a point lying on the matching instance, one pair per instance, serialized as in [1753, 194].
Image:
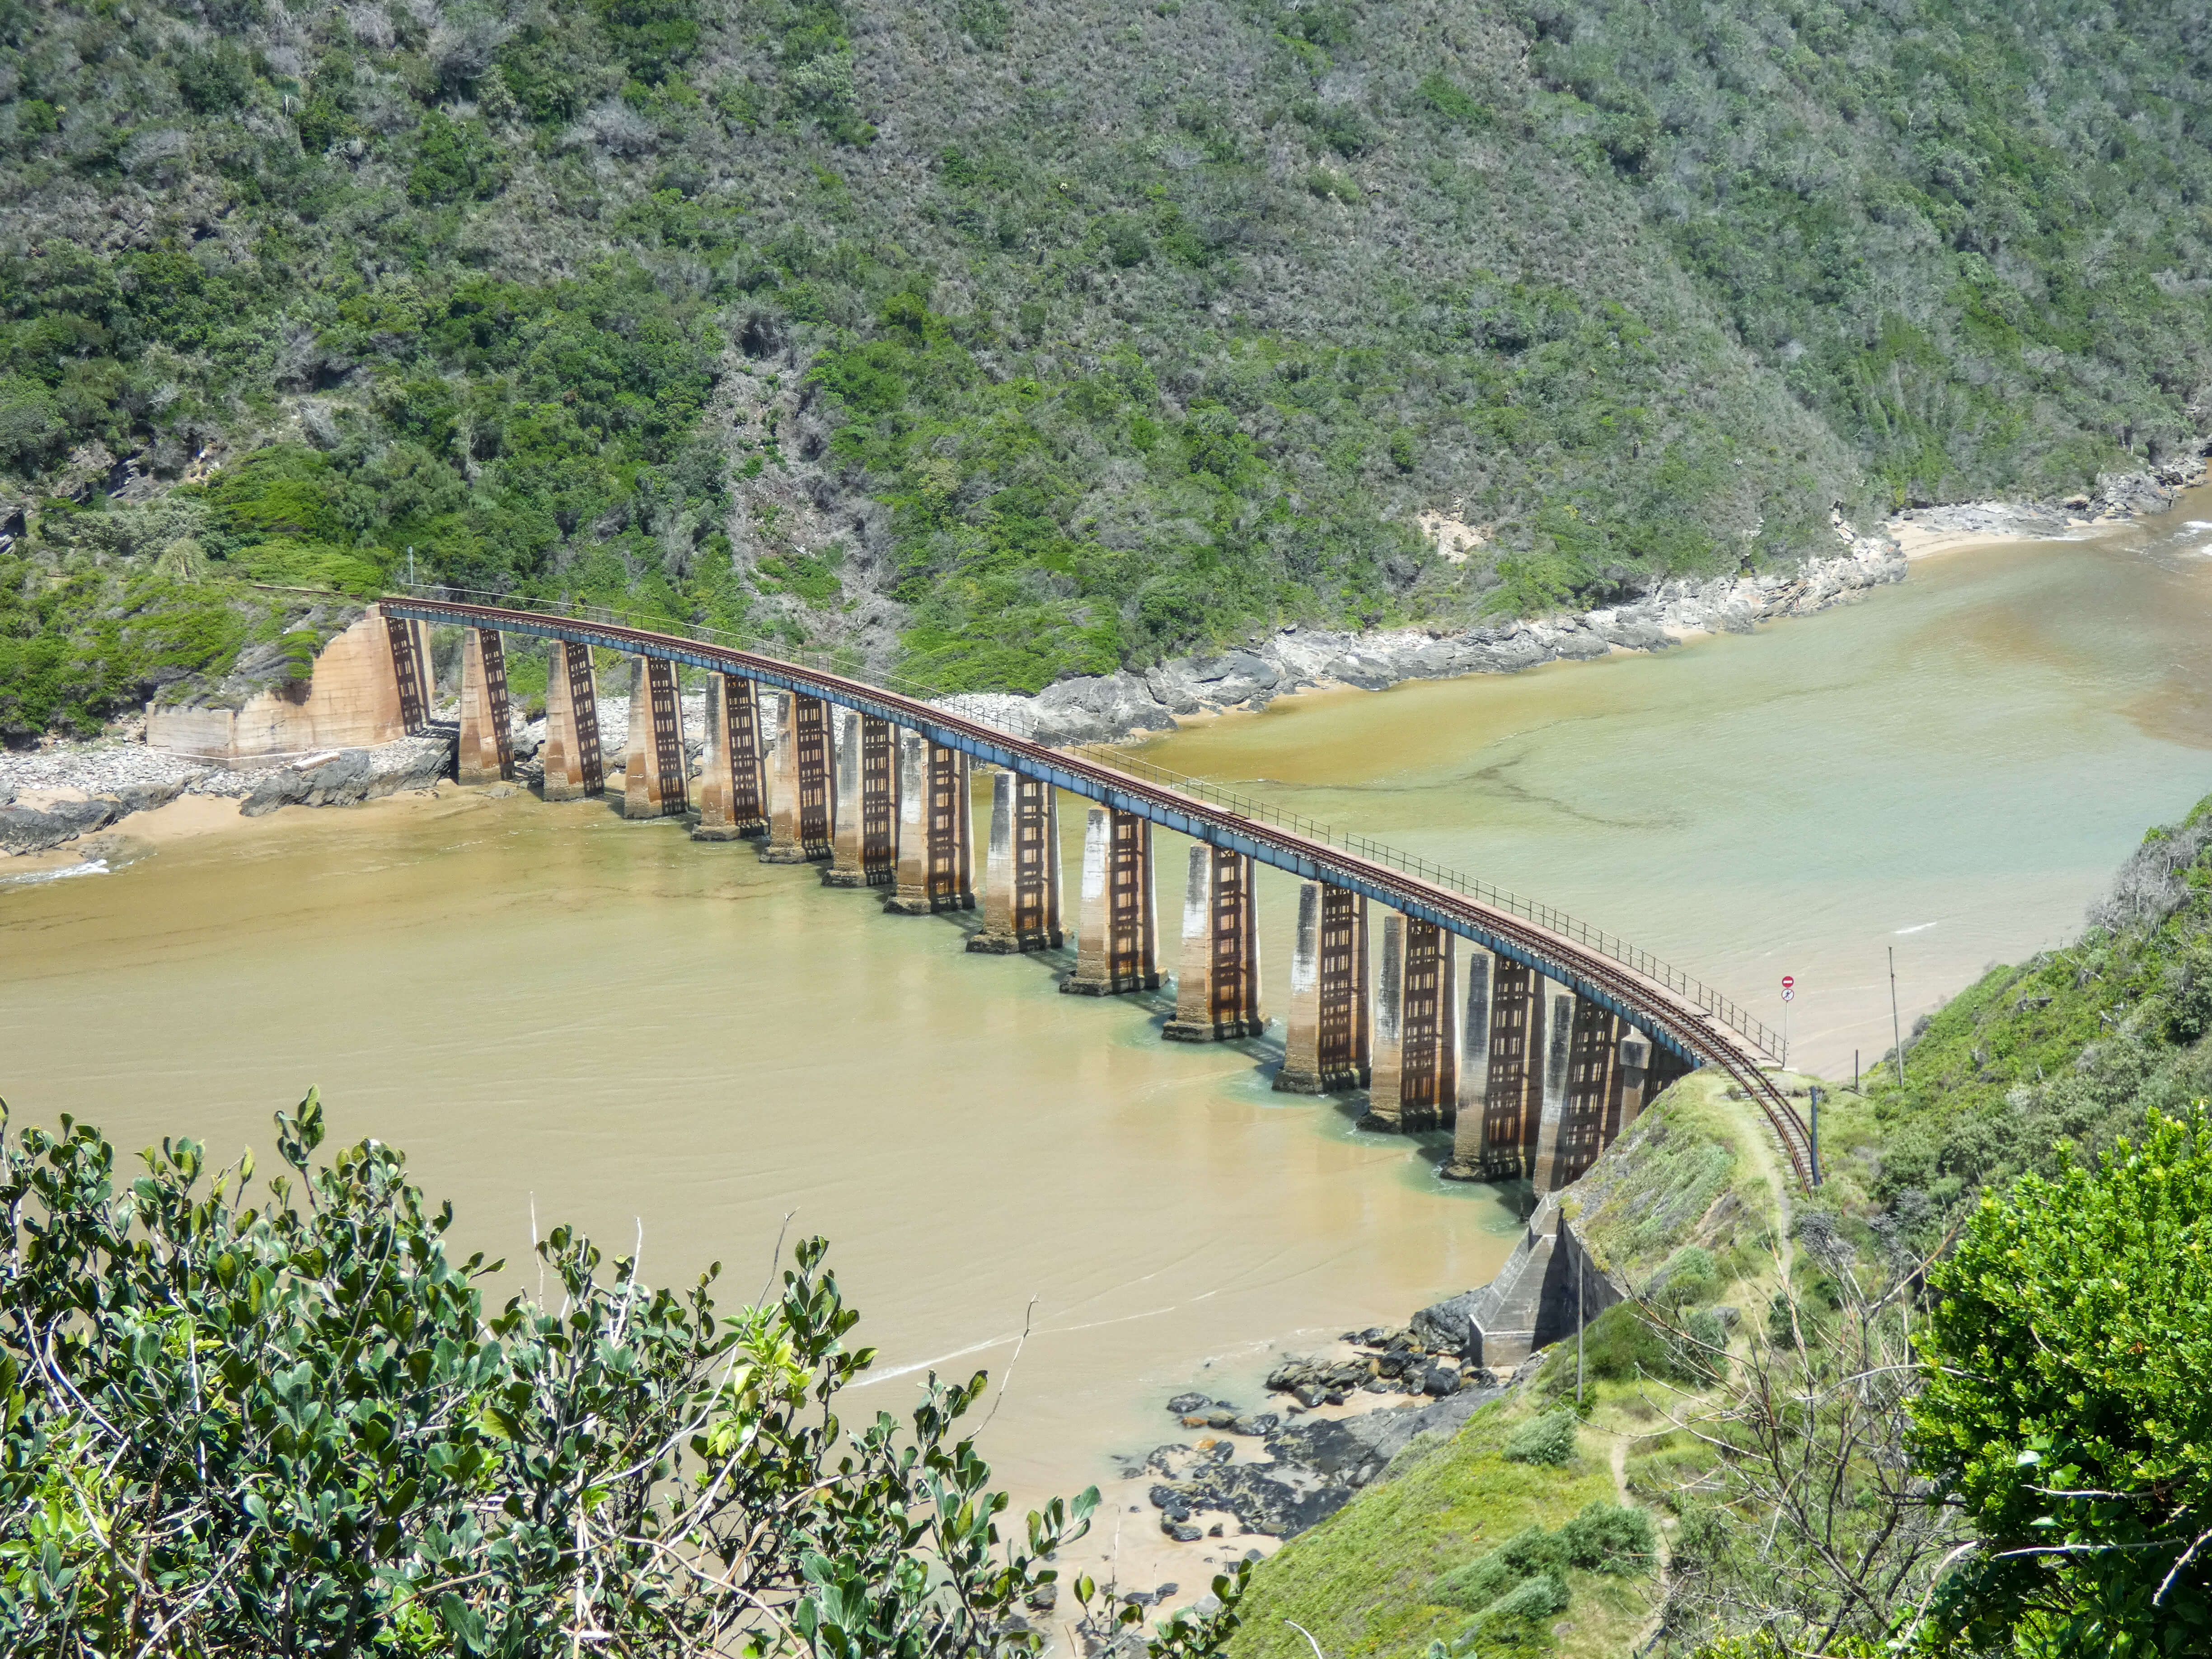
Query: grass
[1688, 1173]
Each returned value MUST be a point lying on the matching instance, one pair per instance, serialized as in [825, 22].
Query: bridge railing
[1609, 945]
[976, 707]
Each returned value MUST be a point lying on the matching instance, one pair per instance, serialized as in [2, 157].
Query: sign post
[1788, 994]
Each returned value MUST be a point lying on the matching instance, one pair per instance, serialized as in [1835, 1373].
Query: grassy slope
[1690, 1172]
[1019, 341]
[2050, 1059]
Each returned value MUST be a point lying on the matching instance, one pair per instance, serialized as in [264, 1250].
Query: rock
[1163, 1591]
[1438, 1380]
[146, 796]
[1164, 1498]
[1183, 1404]
[1183, 1532]
[1043, 1598]
[1390, 1364]
[1258, 1423]
[1308, 1394]
[1214, 1531]
[1209, 1604]
[1334, 1396]
[36, 829]
[1448, 1327]
[352, 775]
[1220, 1417]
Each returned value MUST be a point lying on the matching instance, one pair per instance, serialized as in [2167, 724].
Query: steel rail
[1670, 1016]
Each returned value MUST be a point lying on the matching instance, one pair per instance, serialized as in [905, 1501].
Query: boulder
[1448, 1327]
[37, 828]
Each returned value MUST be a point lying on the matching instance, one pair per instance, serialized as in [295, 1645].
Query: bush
[1689, 1276]
[1546, 1439]
[1610, 1538]
[1621, 1345]
[294, 1427]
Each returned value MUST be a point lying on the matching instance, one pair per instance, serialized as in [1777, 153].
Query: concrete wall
[352, 701]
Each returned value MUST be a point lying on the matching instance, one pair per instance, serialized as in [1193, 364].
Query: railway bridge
[1534, 1038]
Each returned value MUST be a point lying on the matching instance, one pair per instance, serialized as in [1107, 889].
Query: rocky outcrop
[347, 777]
[49, 798]
[1308, 1471]
[1108, 708]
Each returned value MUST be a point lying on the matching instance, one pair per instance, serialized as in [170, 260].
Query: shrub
[1610, 1538]
[294, 1427]
[1689, 1276]
[1620, 1345]
[1546, 1439]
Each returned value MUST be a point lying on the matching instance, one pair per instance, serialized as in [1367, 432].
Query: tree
[293, 1429]
[2069, 1404]
[1809, 1530]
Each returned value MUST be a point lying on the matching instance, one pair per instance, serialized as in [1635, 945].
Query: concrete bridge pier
[1117, 940]
[411, 670]
[1505, 1142]
[865, 841]
[573, 766]
[487, 745]
[655, 775]
[1330, 1026]
[1631, 1068]
[730, 792]
[1218, 987]
[936, 853]
[1589, 1117]
[1415, 1086]
[1542, 1159]
[1477, 974]
[1021, 882]
[803, 810]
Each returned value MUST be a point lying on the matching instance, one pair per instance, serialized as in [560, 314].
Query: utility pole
[1896, 1026]
[1814, 1089]
[1582, 1271]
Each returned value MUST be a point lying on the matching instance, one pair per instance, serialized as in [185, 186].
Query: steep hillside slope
[1013, 342]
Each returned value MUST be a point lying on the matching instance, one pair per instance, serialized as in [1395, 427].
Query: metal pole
[1582, 1268]
[1855, 1073]
[1896, 1026]
[1814, 1089]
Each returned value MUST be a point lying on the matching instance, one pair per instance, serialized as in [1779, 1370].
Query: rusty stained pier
[1535, 1047]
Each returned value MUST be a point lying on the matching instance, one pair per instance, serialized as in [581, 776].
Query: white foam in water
[89, 867]
[2196, 523]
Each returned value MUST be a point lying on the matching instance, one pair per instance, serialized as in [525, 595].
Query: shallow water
[546, 1007]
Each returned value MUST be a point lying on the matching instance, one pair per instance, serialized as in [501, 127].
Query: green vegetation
[2039, 1066]
[289, 1424]
[1002, 343]
[1463, 1545]
[2074, 1419]
[1956, 1406]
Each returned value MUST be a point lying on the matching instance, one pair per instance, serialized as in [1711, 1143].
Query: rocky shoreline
[1274, 1473]
[1113, 708]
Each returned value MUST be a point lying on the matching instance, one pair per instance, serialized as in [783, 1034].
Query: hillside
[1004, 343]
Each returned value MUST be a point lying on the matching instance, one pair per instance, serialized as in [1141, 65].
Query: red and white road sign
[1788, 982]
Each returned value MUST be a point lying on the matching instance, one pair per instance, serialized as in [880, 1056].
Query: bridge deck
[1669, 1015]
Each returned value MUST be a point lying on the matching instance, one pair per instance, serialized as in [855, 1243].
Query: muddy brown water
[548, 1007]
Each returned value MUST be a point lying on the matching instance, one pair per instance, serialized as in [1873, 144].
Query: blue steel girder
[1280, 850]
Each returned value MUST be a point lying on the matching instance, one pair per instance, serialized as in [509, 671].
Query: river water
[548, 1007]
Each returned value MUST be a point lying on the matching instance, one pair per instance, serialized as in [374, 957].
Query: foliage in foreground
[2069, 1404]
[293, 1428]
